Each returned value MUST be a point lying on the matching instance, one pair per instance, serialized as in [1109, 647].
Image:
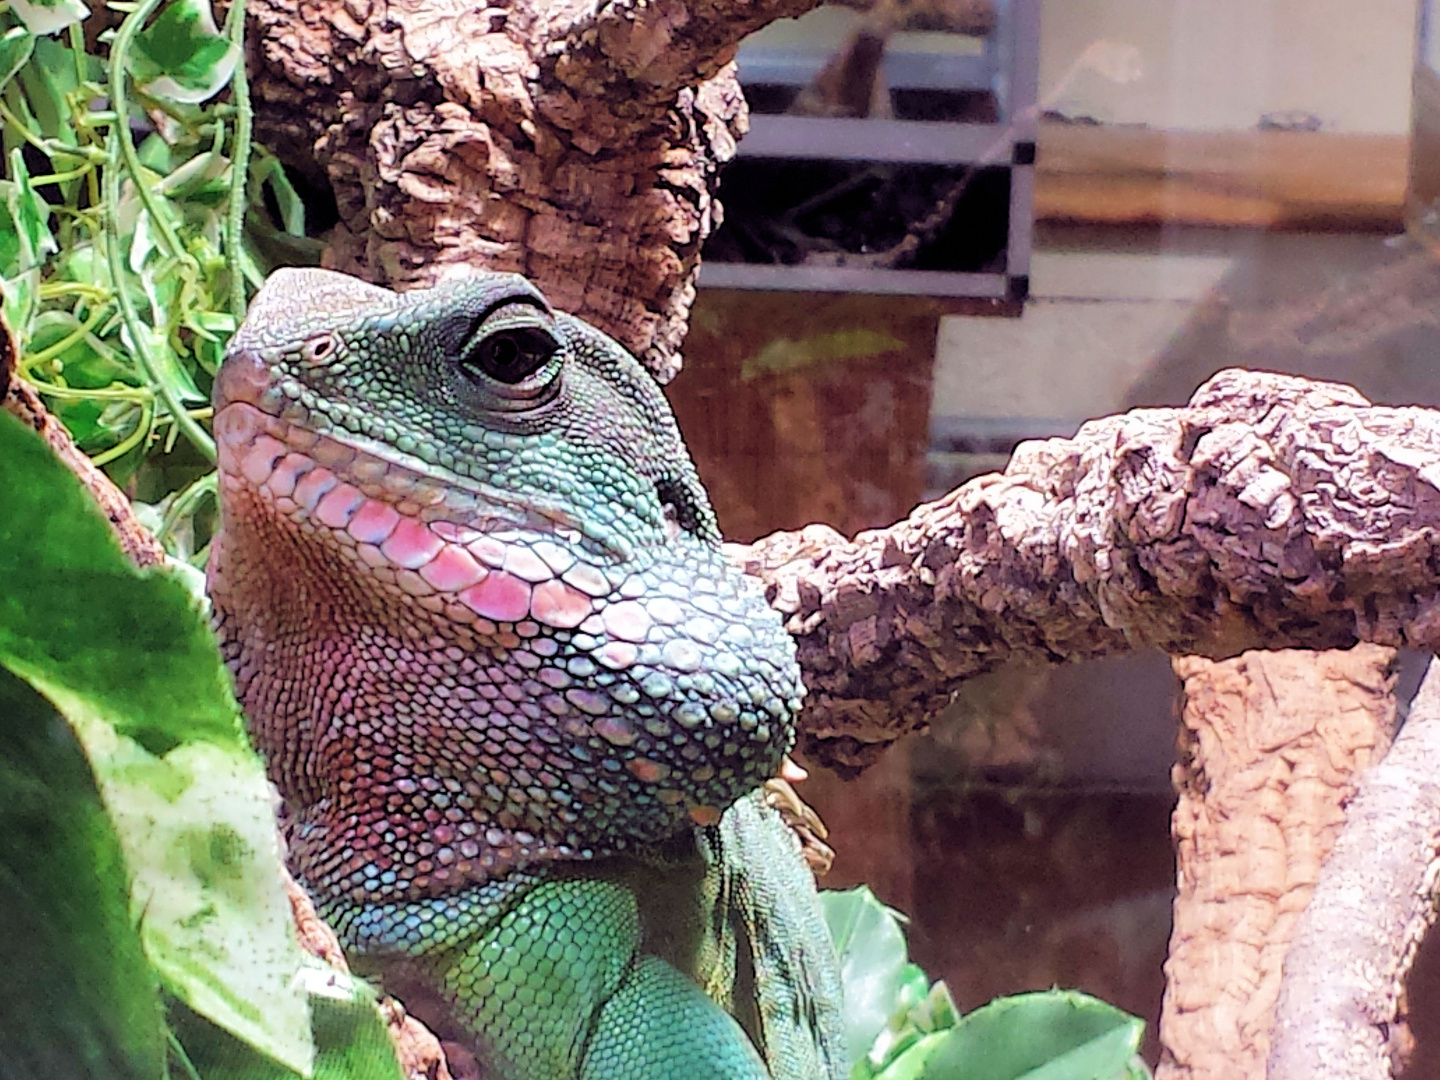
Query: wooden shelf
[1255, 179]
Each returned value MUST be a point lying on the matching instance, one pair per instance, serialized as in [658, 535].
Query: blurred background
[959, 224]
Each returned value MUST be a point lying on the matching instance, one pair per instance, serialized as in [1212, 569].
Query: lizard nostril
[318, 350]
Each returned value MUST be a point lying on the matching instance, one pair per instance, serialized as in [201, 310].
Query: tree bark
[1341, 1009]
[574, 142]
[1271, 745]
[1271, 512]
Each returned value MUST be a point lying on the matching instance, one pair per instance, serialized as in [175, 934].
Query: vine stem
[184, 502]
[121, 130]
[183, 420]
[239, 159]
[134, 439]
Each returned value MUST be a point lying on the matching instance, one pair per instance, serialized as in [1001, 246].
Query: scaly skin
[471, 591]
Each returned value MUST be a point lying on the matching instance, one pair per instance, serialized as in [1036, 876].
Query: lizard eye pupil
[513, 355]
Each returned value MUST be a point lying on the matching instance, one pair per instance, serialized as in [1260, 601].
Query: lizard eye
[509, 346]
[511, 356]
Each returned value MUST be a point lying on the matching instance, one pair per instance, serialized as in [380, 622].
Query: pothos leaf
[49, 16]
[16, 45]
[181, 55]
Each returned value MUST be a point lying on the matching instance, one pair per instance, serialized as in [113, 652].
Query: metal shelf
[718, 275]
[903, 70]
[1007, 65]
[927, 142]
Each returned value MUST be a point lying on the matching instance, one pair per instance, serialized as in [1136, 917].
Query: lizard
[515, 700]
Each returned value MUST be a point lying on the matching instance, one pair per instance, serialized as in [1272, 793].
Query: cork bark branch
[1341, 1009]
[576, 143]
[1271, 512]
[1272, 746]
[642, 53]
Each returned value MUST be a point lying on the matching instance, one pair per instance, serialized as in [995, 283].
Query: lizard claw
[803, 821]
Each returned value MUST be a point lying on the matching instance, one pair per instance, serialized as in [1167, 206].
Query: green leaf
[782, 355]
[910, 1065]
[75, 614]
[20, 296]
[181, 55]
[49, 16]
[16, 44]
[80, 364]
[351, 1041]
[200, 838]
[268, 172]
[204, 180]
[27, 239]
[80, 999]
[46, 80]
[919, 1013]
[873, 966]
[128, 659]
[1054, 1035]
[168, 365]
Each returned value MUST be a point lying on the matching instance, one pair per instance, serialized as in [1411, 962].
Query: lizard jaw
[409, 534]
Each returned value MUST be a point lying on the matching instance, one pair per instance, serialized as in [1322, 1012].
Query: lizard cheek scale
[480, 654]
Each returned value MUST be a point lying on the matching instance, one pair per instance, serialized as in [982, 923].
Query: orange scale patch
[651, 772]
[705, 815]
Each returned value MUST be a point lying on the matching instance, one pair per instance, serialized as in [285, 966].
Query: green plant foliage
[351, 1042]
[77, 619]
[181, 55]
[1053, 1035]
[874, 965]
[125, 258]
[80, 999]
[904, 1028]
[129, 661]
[48, 16]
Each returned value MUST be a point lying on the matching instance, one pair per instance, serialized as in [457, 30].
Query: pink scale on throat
[557, 604]
[412, 544]
[501, 597]
[374, 522]
[453, 569]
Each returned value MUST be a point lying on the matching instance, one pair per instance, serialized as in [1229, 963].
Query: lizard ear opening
[687, 510]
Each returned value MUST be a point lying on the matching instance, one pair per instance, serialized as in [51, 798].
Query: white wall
[1217, 64]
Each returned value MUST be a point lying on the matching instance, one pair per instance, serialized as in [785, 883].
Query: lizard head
[520, 415]
[463, 544]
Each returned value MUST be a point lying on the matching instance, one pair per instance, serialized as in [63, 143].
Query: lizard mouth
[453, 548]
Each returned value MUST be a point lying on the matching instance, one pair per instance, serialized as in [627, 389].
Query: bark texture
[1341, 1009]
[574, 142]
[1271, 745]
[1271, 512]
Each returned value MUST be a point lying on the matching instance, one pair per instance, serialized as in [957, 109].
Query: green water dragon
[517, 703]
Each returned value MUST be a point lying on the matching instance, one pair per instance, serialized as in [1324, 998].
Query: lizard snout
[244, 376]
